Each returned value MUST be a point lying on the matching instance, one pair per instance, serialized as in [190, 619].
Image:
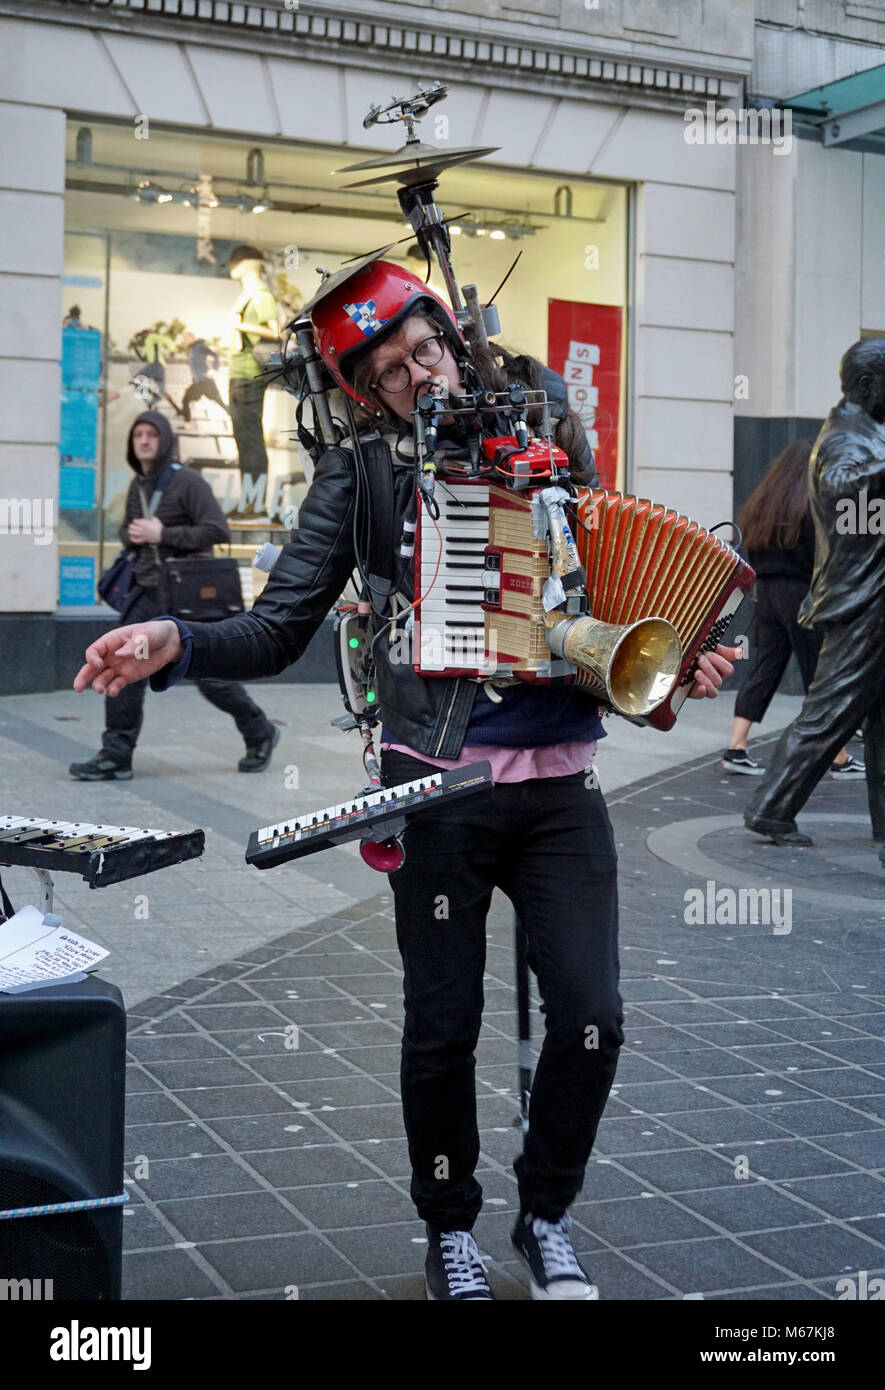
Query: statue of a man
[846, 600]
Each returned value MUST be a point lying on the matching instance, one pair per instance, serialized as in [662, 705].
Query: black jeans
[196, 391]
[124, 713]
[776, 633]
[246, 410]
[548, 845]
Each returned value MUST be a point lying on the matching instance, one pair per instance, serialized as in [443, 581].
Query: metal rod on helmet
[524, 1030]
[307, 347]
[475, 322]
[424, 216]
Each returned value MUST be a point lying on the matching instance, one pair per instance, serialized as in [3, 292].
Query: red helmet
[365, 307]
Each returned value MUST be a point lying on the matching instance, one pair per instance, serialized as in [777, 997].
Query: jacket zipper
[442, 738]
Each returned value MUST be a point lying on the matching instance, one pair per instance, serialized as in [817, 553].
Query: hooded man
[187, 520]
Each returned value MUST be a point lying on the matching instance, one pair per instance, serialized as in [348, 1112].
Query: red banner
[584, 346]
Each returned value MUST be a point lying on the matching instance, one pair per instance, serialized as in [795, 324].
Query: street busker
[542, 835]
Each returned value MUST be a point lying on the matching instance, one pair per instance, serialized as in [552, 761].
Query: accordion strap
[380, 539]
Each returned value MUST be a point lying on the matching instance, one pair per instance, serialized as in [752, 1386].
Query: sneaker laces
[464, 1268]
[560, 1260]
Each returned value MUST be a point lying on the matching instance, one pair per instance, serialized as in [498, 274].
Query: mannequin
[256, 310]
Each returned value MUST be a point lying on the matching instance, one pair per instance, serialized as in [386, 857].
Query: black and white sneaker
[454, 1271]
[851, 771]
[739, 760]
[101, 768]
[553, 1266]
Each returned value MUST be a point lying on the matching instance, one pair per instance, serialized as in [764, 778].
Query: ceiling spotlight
[455, 231]
[164, 197]
[497, 234]
[482, 231]
[247, 204]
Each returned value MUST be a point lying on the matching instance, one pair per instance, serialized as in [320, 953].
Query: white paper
[34, 947]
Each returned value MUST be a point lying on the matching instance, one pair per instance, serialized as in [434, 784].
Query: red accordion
[481, 567]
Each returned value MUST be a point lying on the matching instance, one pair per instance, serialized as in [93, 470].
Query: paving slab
[741, 1155]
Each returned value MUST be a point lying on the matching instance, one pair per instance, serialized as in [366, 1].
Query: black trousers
[548, 845]
[124, 713]
[776, 633]
[196, 391]
[848, 688]
[246, 410]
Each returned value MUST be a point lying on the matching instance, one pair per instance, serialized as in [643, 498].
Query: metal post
[524, 1025]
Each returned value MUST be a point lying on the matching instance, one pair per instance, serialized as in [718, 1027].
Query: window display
[179, 277]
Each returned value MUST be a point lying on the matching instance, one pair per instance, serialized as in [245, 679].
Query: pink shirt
[514, 764]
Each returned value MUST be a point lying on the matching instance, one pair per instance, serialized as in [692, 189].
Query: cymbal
[416, 150]
[426, 172]
[332, 282]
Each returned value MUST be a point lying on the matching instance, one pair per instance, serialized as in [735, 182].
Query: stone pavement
[740, 1155]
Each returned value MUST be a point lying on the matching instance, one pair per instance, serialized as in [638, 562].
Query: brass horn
[636, 665]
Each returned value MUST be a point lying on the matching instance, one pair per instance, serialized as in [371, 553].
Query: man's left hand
[713, 667]
[145, 530]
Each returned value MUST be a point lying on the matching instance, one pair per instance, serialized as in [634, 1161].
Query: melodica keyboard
[101, 854]
[360, 818]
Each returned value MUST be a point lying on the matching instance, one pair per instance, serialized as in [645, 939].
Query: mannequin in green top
[256, 311]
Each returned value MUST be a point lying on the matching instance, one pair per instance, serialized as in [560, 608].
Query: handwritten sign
[34, 948]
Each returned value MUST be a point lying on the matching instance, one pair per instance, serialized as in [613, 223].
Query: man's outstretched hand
[128, 654]
[713, 667]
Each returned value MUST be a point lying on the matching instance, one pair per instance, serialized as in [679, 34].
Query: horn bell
[636, 665]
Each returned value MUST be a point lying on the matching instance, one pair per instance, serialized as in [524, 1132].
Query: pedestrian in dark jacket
[187, 521]
[542, 836]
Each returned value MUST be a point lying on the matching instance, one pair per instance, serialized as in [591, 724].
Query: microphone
[428, 413]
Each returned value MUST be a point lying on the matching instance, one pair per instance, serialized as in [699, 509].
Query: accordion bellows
[643, 560]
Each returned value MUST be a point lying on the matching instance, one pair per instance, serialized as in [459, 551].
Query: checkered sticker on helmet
[364, 317]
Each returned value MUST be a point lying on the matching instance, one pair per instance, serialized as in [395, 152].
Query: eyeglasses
[397, 377]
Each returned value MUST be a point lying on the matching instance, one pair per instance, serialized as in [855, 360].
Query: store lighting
[455, 231]
[145, 192]
[497, 234]
[165, 198]
[247, 204]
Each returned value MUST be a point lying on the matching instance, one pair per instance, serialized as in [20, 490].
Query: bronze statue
[846, 600]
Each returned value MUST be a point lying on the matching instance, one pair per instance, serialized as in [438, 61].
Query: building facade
[721, 278]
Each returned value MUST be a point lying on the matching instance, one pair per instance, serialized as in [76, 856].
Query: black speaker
[62, 1092]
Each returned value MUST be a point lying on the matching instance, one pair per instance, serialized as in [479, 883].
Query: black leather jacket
[430, 716]
[849, 572]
